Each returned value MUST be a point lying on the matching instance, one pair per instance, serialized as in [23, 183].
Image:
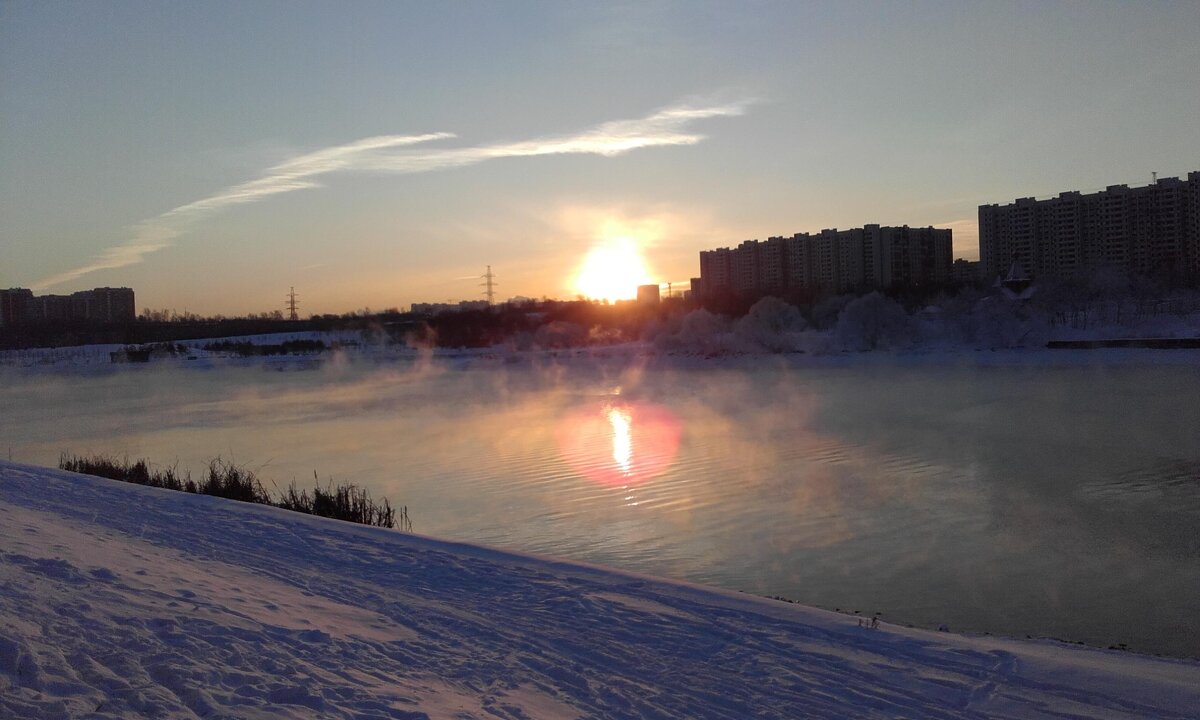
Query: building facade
[15, 304]
[647, 294]
[439, 308]
[872, 257]
[964, 272]
[1151, 230]
[101, 305]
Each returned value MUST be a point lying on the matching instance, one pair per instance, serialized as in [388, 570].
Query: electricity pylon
[489, 282]
[291, 305]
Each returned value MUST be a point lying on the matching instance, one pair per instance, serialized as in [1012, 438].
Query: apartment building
[833, 261]
[1151, 230]
[15, 305]
[107, 305]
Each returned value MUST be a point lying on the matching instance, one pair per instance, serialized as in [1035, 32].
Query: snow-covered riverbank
[125, 601]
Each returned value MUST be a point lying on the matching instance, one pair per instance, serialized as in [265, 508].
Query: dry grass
[227, 480]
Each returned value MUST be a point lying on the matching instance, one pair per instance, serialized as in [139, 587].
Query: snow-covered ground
[122, 601]
[95, 358]
[87, 355]
[967, 323]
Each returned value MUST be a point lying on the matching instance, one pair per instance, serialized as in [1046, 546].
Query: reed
[227, 480]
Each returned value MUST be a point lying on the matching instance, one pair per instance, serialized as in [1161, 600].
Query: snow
[120, 601]
[969, 322]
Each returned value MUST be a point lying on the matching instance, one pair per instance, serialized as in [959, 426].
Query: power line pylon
[291, 305]
[489, 282]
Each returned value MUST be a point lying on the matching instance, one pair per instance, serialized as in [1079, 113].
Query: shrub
[245, 348]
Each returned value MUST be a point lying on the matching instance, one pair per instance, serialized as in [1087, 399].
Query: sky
[374, 154]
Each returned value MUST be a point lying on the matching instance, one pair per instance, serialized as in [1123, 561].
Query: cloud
[393, 154]
[666, 127]
[159, 232]
[129, 253]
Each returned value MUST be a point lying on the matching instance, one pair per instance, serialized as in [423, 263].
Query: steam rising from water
[869, 487]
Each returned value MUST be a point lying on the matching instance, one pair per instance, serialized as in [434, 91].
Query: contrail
[393, 154]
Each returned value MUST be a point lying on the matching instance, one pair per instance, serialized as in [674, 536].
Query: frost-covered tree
[699, 331]
[771, 324]
[1110, 289]
[825, 313]
[559, 334]
[1001, 323]
[874, 322]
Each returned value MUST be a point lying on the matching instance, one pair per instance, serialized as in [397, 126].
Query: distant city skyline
[381, 154]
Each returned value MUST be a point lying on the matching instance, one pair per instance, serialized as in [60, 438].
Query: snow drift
[124, 601]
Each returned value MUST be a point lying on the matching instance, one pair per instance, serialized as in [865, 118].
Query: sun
[612, 270]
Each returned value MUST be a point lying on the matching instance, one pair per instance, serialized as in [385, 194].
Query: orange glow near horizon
[612, 271]
[618, 444]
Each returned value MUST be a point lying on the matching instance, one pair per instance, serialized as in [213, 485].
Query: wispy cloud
[395, 154]
[160, 232]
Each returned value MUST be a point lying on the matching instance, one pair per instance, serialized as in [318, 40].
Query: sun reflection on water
[622, 441]
[619, 444]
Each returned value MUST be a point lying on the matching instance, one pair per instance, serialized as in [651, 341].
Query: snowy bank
[124, 601]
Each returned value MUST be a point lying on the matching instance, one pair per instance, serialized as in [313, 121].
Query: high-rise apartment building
[15, 305]
[110, 304]
[1151, 230]
[107, 305]
[832, 261]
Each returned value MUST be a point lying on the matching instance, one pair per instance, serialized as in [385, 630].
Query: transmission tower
[291, 305]
[489, 282]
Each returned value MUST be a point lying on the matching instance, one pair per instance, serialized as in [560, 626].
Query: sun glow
[612, 270]
[619, 444]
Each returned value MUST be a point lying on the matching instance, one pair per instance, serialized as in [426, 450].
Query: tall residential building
[110, 304]
[832, 261]
[15, 304]
[744, 267]
[107, 305]
[1151, 230]
[915, 257]
[51, 308]
[964, 272]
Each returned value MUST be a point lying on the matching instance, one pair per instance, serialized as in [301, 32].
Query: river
[1044, 497]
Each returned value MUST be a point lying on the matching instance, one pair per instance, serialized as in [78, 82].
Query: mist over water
[1038, 499]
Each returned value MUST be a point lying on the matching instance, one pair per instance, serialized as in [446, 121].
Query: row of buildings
[1151, 230]
[432, 309]
[806, 265]
[103, 305]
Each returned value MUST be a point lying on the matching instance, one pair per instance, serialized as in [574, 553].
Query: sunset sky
[210, 155]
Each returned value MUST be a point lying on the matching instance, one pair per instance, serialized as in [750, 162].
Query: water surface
[1040, 499]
